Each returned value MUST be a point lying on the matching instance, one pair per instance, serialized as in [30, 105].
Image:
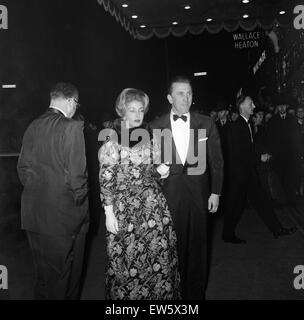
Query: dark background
[48, 41]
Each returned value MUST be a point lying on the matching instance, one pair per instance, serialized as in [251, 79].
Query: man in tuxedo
[243, 179]
[54, 205]
[188, 190]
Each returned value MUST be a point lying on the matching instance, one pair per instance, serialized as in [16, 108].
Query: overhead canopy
[156, 17]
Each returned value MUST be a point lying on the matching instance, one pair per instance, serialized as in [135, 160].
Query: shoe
[284, 232]
[234, 239]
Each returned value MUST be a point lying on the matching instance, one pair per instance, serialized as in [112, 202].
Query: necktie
[183, 117]
[251, 137]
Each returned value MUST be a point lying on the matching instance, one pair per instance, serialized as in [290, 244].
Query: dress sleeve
[108, 156]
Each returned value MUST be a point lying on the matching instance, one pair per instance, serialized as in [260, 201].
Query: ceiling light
[187, 7]
[245, 16]
[143, 26]
[9, 86]
[199, 74]
[245, 1]
[282, 12]
[125, 5]
[175, 23]
[134, 16]
[209, 19]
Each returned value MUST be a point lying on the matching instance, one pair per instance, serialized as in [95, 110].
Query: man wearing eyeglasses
[54, 205]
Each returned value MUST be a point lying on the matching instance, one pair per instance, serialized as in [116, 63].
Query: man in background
[54, 205]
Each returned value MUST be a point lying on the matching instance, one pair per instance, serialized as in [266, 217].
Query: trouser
[191, 231]
[239, 192]
[58, 262]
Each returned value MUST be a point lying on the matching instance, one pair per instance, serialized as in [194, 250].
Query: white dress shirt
[181, 135]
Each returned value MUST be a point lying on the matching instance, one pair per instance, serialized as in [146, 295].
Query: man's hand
[213, 202]
[265, 157]
[111, 221]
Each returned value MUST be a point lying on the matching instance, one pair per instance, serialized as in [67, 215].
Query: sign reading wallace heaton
[246, 40]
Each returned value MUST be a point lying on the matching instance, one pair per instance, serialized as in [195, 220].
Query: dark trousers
[58, 262]
[190, 226]
[190, 223]
[239, 192]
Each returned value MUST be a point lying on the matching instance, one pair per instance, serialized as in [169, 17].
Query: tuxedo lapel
[167, 125]
[193, 137]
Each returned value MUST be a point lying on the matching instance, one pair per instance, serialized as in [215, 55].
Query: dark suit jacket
[280, 140]
[242, 158]
[198, 185]
[52, 169]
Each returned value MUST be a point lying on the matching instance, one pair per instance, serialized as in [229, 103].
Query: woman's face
[134, 114]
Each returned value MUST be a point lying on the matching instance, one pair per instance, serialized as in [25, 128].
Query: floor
[261, 269]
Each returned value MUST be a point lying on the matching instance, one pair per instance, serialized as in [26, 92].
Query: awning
[144, 19]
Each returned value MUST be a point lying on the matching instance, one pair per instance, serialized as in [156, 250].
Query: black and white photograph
[151, 151]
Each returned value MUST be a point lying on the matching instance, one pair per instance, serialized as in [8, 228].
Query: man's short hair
[178, 79]
[63, 90]
[129, 95]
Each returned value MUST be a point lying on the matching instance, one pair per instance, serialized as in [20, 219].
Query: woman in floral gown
[141, 241]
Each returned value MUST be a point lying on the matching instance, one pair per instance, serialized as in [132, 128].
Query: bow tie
[183, 117]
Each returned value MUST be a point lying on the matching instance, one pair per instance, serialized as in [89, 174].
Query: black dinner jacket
[242, 158]
[214, 163]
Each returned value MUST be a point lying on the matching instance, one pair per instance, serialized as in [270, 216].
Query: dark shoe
[284, 232]
[234, 239]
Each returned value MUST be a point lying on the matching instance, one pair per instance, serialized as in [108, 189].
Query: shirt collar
[244, 118]
[59, 110]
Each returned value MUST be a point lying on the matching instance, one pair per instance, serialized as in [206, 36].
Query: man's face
[222, 114]
[180, 97]
[300, 113]
[259, 117]
[72, 105]
[282, 108]
[234, 116]
[247, 107]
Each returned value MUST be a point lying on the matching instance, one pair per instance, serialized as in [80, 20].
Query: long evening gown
[142, 258]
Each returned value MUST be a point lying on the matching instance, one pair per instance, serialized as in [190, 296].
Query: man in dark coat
[298, 147]
[281, 144]
[188, 190]
[243, 178]
[54, 206]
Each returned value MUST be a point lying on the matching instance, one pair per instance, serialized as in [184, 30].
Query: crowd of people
[278, 131]
[158, 181]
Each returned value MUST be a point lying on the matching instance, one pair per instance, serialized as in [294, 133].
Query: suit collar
[56, 110]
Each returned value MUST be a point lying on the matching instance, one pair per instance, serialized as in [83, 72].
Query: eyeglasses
[77, 103]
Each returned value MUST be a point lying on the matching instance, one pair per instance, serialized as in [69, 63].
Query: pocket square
[203, 139]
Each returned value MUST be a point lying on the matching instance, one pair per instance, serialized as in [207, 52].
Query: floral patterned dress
[142, 257]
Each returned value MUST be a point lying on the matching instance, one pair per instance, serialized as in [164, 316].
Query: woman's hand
[163, 170]
[111, 220]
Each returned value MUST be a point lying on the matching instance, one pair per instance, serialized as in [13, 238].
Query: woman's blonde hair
[128, 95]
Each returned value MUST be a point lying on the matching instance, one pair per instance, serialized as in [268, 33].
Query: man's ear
[169, 98]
